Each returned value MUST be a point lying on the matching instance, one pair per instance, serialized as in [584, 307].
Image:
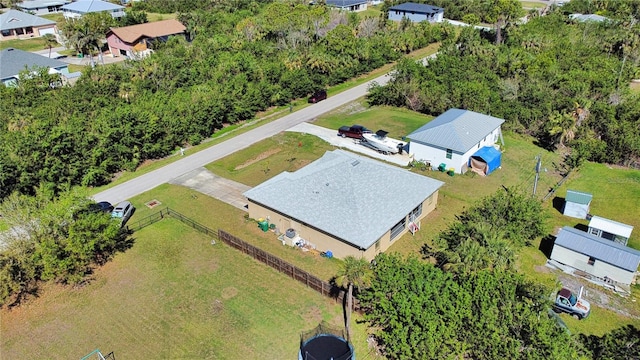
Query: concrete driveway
[331, 136]
[206, 182]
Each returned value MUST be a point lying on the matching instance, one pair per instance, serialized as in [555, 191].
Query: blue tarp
[489, 155]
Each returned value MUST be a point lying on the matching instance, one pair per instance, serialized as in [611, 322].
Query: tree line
[564, 82]
[239, 63]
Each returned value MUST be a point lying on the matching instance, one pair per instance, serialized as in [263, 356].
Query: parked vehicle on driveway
[318, 96]
[353, 131]
[567, 302]
[123, 211]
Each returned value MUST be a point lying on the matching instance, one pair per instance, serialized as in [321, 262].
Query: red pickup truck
[354, 131]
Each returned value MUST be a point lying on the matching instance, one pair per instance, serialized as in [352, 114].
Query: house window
[449, 153]
[29, 30]
[6, 32]
[415, 213]
[591, 261]
[398, 228]
[378, 245]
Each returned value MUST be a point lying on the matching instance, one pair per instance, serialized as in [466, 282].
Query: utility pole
[538, 166]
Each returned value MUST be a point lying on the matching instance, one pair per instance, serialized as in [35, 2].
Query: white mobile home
[599, 257]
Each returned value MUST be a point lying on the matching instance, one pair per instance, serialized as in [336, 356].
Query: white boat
[379, 141]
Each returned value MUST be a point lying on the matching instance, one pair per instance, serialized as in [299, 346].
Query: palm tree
[49, 42]
[353, 273]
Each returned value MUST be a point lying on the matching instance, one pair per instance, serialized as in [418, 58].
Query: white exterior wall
[437, 155]
[599, 268]
[575, 210]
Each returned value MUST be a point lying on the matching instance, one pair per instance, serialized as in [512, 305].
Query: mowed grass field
[173, 295]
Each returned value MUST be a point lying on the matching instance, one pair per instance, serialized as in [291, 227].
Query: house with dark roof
[131, 41]
[602, 258]
[345, 203]
[576, 204]
[452, 138]
[416, 12]
[15, 24]
[348, 5]
[14, 61]
[76, 9]
[42, 7]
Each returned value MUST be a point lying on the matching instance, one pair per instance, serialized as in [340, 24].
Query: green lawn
[172, 295]
[33, 44]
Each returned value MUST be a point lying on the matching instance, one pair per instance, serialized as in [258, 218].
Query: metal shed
[610, 230]
[577, 204]
[596, 256]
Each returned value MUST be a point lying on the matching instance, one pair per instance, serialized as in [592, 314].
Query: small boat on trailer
[380, 142]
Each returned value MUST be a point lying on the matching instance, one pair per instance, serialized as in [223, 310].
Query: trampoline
[324, 344]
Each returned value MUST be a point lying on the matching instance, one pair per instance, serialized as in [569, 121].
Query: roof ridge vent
[355, 162]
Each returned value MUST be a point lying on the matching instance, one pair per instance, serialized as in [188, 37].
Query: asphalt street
[194, 161]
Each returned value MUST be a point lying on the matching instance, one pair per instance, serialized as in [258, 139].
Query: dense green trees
[422, 312]
[564, 82]
[238, 63]
[52, 238]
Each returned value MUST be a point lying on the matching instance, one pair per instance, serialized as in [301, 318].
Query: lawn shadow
[558, 203]
[546, 245]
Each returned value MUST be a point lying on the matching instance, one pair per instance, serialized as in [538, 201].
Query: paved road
[165, 174]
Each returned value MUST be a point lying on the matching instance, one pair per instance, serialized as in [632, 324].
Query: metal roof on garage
[610, 226]
[416, 8]
[578, 197]
[608, 251]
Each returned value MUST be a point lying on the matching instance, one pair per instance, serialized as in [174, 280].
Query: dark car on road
[318, 96]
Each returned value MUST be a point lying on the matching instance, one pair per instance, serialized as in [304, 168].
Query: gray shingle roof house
[416, 12]
[577, 204]
[15, 24]
[348, 5]
[345, 203]
[596, 256]
[453, 137]
[42, 7]
[78, 8]
[14, 61]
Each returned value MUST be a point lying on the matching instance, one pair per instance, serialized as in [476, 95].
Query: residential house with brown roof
[135, 40]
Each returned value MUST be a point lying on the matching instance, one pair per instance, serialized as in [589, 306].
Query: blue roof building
[416, 12]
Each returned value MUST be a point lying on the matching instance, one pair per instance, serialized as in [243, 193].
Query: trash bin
[263, 225]
[442, 167]
[329, 254]
[451, 172]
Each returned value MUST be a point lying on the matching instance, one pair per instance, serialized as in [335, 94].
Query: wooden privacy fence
[323, 287]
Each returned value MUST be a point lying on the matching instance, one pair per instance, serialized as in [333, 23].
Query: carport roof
[350, 197]
[608, 251]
